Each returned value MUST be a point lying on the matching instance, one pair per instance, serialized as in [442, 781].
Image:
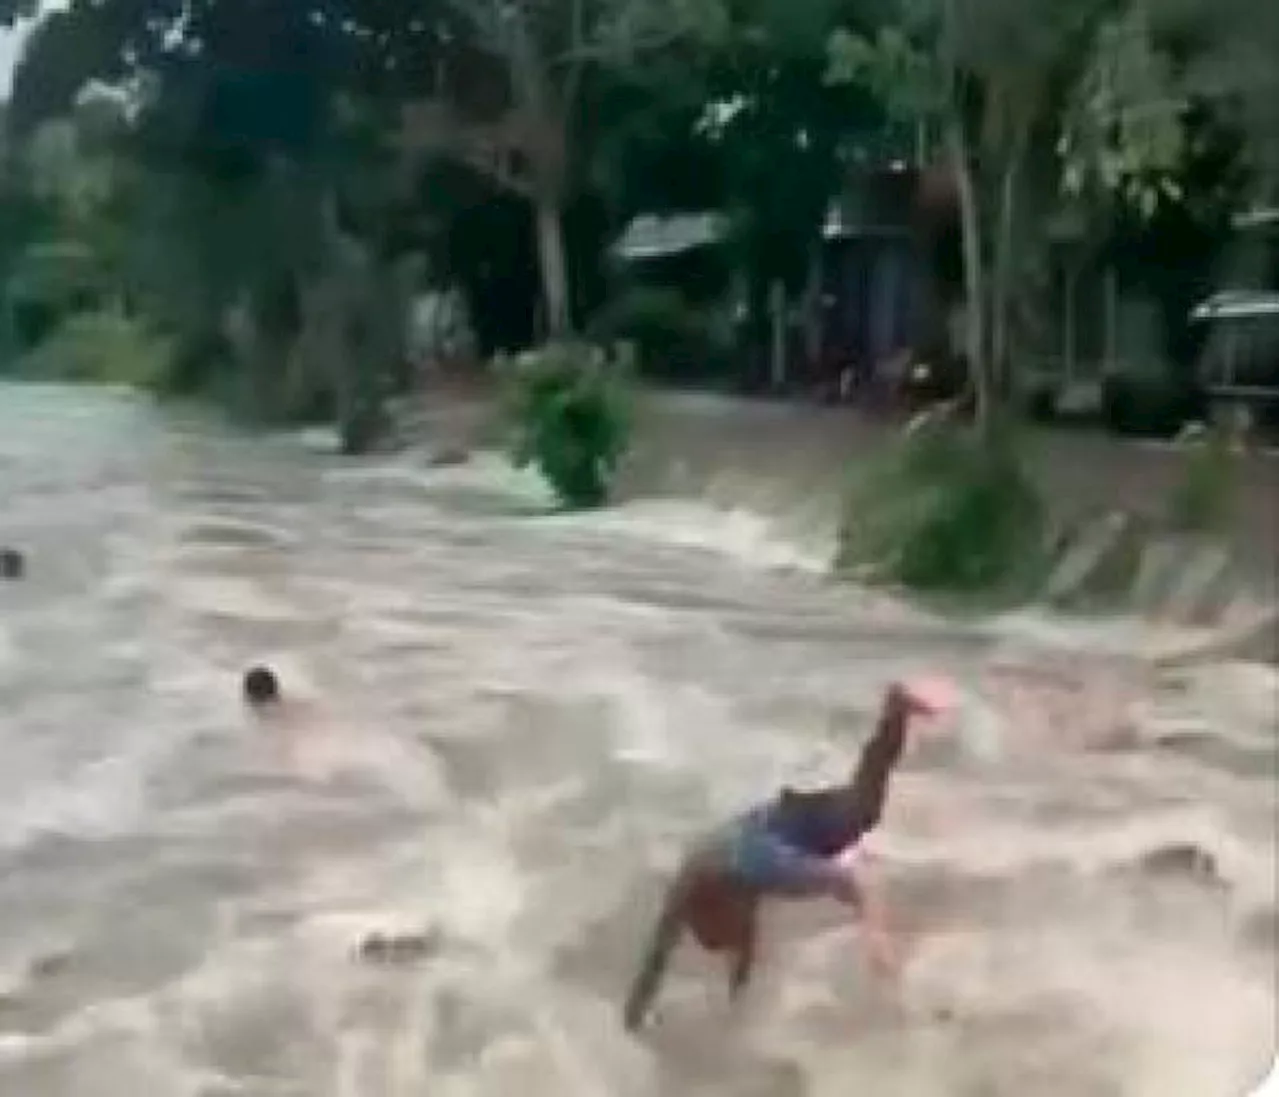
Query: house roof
[653, 236]
[1255, 218]
[1237, 303]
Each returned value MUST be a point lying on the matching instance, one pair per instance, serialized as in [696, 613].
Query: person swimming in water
[298, 729]
[261, 688]
[289, 722]
[317, 744]
[789, 847]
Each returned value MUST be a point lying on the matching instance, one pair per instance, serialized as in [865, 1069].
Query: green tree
[512, 102]
[745, 123]
[1226, 55]
[784, 134]
[1013, 85]
[254, 174]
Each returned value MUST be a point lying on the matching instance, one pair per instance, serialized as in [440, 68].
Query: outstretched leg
[744, 953]
[658, 955]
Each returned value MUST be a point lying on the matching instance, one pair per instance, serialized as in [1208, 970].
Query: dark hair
[261, 685]
[12, 563]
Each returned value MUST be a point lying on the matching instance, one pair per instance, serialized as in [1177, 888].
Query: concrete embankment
[788, 465]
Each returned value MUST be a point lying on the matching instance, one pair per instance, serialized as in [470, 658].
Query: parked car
[1149, 399]
[1237, 372]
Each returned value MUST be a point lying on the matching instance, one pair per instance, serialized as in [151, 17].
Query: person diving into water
[793, 846]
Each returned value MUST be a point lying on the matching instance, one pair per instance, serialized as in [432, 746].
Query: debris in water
[1261, 927]
[12, 563]
[50, 964]
[448, 457]
[399, 948]
[1183, 859]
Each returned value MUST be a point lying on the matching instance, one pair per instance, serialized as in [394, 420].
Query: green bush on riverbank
[946, 511]
[103, 347]
[569, 407]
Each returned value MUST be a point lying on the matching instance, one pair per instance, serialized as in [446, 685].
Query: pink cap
[932, 695]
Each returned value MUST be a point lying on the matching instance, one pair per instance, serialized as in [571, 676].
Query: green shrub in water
[1204, 493]
[948, 510]
[104, 347]
[570, 409]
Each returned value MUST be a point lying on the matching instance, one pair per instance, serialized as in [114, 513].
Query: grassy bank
[99, 348]
[945, 512]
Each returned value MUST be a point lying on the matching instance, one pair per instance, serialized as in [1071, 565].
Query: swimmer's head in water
[12, 564]
[261, 687]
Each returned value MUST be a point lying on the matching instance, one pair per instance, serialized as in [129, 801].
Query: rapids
[524, 718]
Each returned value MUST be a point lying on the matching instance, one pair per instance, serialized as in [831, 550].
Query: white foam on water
[532, 715]
[739, 534]
[1270, 1083]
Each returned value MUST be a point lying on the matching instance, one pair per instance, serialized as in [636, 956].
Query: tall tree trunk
[318, 357]
[539, 105]
[1001, 279]
[551, 262]
[813, 311]
[345, 307]
[974, 276]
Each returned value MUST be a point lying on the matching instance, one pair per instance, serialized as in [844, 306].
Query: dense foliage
[256, 192]
[99, 346]
[673, 340]
[570, 416]
[946, 510]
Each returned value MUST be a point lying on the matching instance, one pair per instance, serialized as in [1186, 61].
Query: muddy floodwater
[515, 723]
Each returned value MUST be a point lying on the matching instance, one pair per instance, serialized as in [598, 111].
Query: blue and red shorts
[721, 901]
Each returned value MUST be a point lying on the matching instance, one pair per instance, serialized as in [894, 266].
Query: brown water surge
[533, 715]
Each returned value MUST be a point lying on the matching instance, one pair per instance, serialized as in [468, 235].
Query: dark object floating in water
[1183, 859]
[398, 948]
[13, 564]
[1261, 928]
[448, 458]
[50, 964]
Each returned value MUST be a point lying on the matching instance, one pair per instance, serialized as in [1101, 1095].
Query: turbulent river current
[517, 722]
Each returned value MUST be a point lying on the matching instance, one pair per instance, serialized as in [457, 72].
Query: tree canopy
[257, 149]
